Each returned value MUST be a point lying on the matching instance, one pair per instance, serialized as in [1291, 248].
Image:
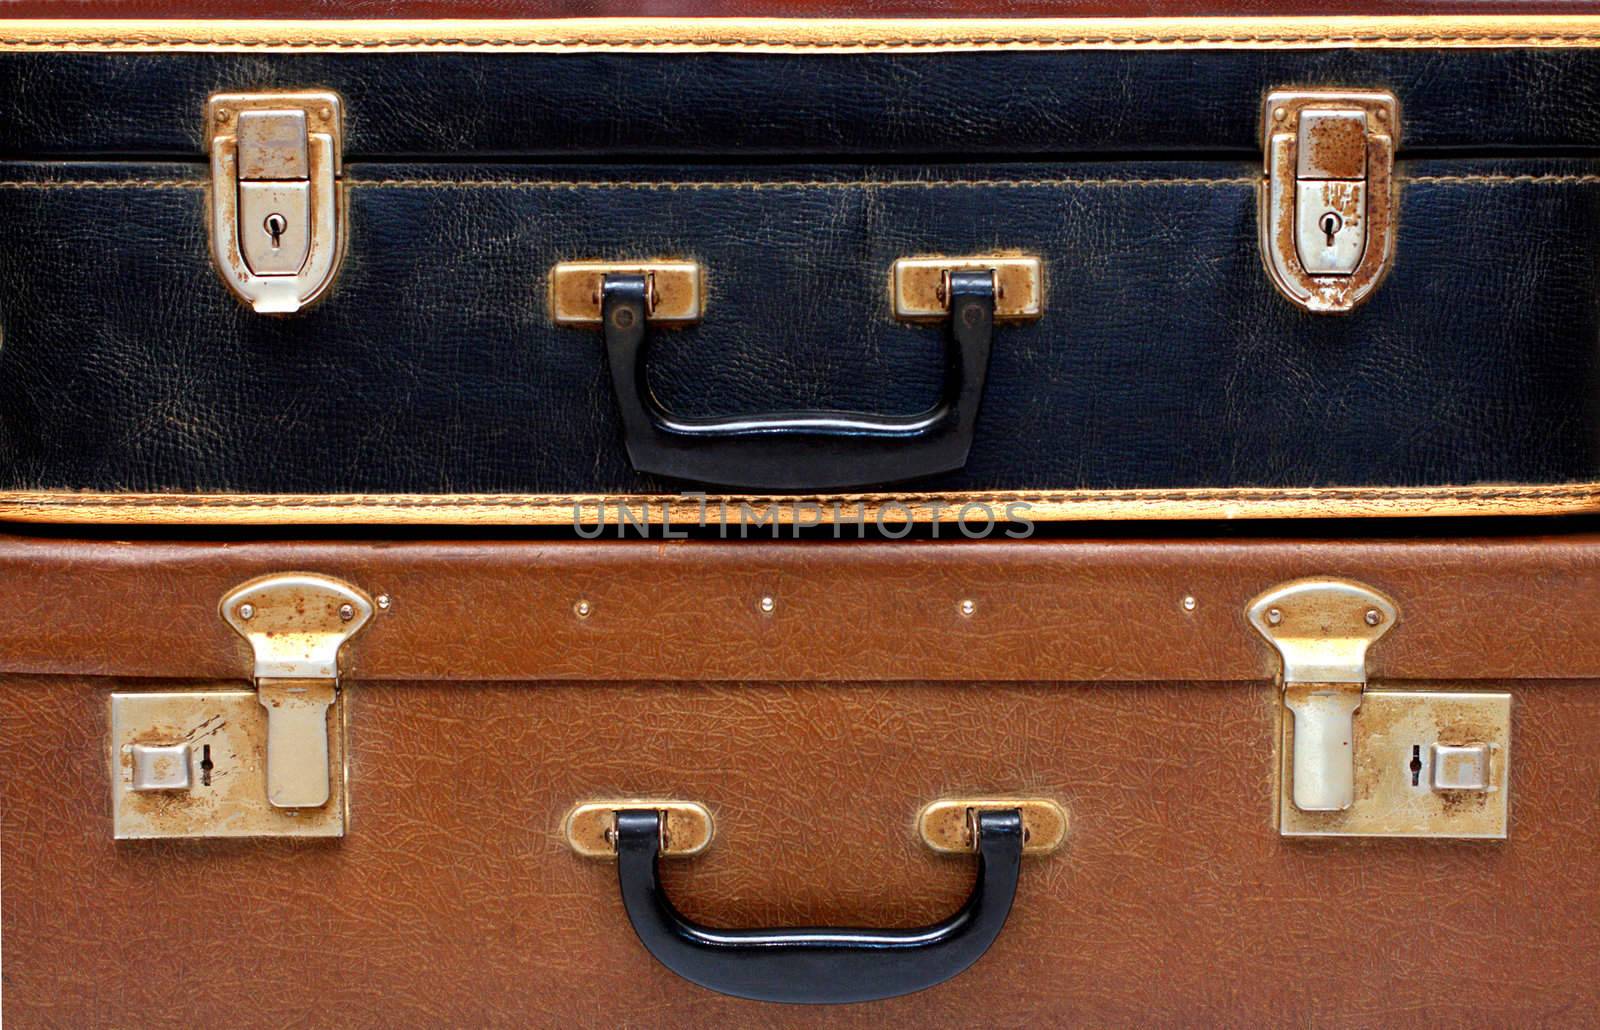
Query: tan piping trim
[669, 186]
[548, 509]
[800, 35]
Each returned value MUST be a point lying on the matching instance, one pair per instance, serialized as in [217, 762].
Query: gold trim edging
[683, 511]
[799, 35]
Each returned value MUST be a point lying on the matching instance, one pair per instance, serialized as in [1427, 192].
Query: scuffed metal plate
[228, 728]
[1395, 795]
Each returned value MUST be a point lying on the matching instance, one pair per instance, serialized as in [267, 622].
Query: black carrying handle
[818, 966]
[802, 450]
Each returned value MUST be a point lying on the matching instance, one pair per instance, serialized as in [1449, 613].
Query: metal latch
[277, 216]
[1322, 628]
[1329, 199]
[1365, 762]
[296, 625]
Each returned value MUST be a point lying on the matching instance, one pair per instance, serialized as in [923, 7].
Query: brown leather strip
[1093, 610]
[831, 35]
[691, 509]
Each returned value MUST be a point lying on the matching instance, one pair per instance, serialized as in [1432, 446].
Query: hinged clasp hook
[277, 217]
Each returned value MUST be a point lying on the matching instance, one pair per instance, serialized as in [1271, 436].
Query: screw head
[247, 611]
[1189, 603]
[347, 612]
[383, 601]
[767, 604]
[582, 609]
[968, 607]
[1374, 616]
[223, 114]
[1274, 616]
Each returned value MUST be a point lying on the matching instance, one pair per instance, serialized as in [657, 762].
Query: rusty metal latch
[277, 217]
[1329, 198]
[1322, 629]
[296, 624]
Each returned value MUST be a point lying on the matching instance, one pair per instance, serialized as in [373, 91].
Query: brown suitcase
[813, 698]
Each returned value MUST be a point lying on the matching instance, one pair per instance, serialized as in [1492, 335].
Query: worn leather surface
[732, 106]
[1102, 611]
[1165, 359]
[814, 734]
[454, 901]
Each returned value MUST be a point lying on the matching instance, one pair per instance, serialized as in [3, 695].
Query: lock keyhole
[276, 225]
[1330, 224]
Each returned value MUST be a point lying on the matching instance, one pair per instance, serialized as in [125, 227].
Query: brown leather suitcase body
[793, 709]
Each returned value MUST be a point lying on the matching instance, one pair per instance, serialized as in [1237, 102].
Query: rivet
[1274, 616]
[968, 607]
[1189, 603]
[247, 611]
[1374, 616]
[767, 604]
[347, 612]
[582, 609]
[383, 601]
[223, 114]
[325, 113]
[1280, 114]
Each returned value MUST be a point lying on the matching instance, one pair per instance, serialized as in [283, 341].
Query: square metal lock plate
[1427, 764]
[222, 735]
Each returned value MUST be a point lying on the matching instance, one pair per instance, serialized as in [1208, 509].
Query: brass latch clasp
[277, 217]
[1329, 198]
[296, 624]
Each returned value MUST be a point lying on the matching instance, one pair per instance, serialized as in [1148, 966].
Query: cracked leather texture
[675, 108]
[814, 734]
[1164, 360]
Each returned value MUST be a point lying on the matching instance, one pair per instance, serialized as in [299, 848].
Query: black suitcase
[1288, 266]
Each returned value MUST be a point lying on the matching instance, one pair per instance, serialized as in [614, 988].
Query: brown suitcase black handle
[801, 450]
[818, 966]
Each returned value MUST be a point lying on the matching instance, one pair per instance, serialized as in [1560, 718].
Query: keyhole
[1416, 764]
[276, 225]
[205, 765]
[1330, 224]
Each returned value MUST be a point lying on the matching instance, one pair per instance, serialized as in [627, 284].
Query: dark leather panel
[616, 106]
[1164, 358]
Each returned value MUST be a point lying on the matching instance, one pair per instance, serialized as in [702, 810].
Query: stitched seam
[890, 43]
[103, 184]
[818, 184]
[1567, 492]
[527, 184]
[1500, 180]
